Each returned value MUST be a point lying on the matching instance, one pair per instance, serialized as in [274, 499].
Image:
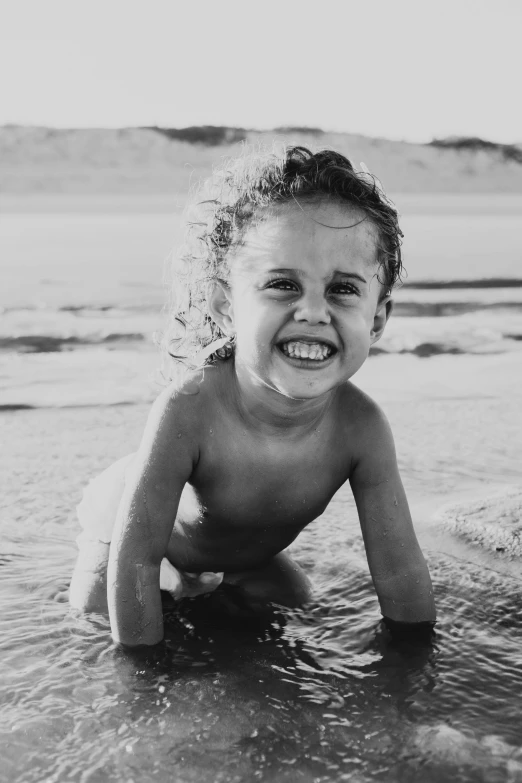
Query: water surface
[321, 694]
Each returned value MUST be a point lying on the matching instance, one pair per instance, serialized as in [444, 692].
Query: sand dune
[136, 162]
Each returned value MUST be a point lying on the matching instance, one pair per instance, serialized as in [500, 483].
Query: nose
[312, 307]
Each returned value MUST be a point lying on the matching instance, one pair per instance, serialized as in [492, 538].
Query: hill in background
[141, 161]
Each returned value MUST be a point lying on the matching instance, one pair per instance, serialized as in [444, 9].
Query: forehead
[310, 235]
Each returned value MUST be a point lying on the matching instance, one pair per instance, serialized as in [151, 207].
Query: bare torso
[251, 493]
[237, 491]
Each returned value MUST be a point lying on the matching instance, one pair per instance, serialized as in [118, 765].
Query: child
[286, 288]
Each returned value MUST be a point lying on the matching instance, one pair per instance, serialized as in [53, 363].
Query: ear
[383, 312]
[220, 307]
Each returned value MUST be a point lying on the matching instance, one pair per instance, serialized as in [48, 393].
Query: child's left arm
[399, 571]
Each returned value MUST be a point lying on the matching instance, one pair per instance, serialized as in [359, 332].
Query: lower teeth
[311, 358]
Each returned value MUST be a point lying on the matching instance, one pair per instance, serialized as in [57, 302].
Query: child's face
[304, 299]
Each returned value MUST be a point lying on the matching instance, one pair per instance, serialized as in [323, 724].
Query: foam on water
[88, 289]
[50, 357]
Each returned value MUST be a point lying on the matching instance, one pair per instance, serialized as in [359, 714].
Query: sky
[400, 69]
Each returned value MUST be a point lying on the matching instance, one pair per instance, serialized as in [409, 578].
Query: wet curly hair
[231, 200]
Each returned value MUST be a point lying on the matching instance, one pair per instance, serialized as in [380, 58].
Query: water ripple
[318, 694]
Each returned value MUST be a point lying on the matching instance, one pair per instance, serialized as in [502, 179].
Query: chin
[304, 390]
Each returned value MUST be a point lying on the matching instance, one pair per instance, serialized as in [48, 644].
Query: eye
[281, 284]
[343, 289]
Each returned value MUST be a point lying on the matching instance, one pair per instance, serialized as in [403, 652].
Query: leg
[280, 581]
[97, 513]
[88, 590]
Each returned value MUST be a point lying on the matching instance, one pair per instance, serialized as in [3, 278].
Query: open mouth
[317, 352]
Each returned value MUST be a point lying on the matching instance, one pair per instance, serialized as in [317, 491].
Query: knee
[88, 592]
[281, 582]
[294, 585]
[298, 588]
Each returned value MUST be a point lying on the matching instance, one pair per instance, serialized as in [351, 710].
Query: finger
[208, 582]
[212, 577]
[170, 579]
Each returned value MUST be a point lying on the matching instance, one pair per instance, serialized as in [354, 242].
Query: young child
[285, 288]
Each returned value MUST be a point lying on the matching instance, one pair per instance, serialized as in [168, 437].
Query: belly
[231, 526]
[207, 545]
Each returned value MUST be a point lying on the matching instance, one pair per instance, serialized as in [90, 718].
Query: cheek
[251, 315]
[248, 325]
[356, 336]
[355, 323]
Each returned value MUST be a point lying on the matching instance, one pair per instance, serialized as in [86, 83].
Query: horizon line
[305, 129]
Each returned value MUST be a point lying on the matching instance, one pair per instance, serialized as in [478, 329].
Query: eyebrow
[350, 274]
[337, 273]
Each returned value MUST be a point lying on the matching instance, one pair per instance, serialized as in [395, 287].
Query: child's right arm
[146, 515]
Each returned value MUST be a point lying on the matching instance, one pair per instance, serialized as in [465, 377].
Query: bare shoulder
[183, 401]
[172, 433]
[371, 439]
[361, 413]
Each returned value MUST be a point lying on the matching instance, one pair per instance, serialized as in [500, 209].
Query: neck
[268, 409]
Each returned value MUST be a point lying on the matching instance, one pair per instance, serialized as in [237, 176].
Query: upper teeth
[299, 350]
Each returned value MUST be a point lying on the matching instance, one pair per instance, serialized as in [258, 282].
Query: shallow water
[101, 259]
[321, 694]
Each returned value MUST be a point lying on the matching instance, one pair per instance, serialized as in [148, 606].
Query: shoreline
[63, 380]
[386, 377]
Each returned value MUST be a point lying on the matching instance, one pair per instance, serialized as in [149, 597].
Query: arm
[145, 521]
[399, 571]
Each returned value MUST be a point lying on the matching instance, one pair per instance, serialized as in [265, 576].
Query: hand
[181, 584]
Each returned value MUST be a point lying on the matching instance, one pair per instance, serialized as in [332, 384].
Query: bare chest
[253, 480]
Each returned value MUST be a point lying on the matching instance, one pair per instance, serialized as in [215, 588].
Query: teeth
[315, 351]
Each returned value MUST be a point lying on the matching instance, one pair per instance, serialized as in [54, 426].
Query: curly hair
[229, 202]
